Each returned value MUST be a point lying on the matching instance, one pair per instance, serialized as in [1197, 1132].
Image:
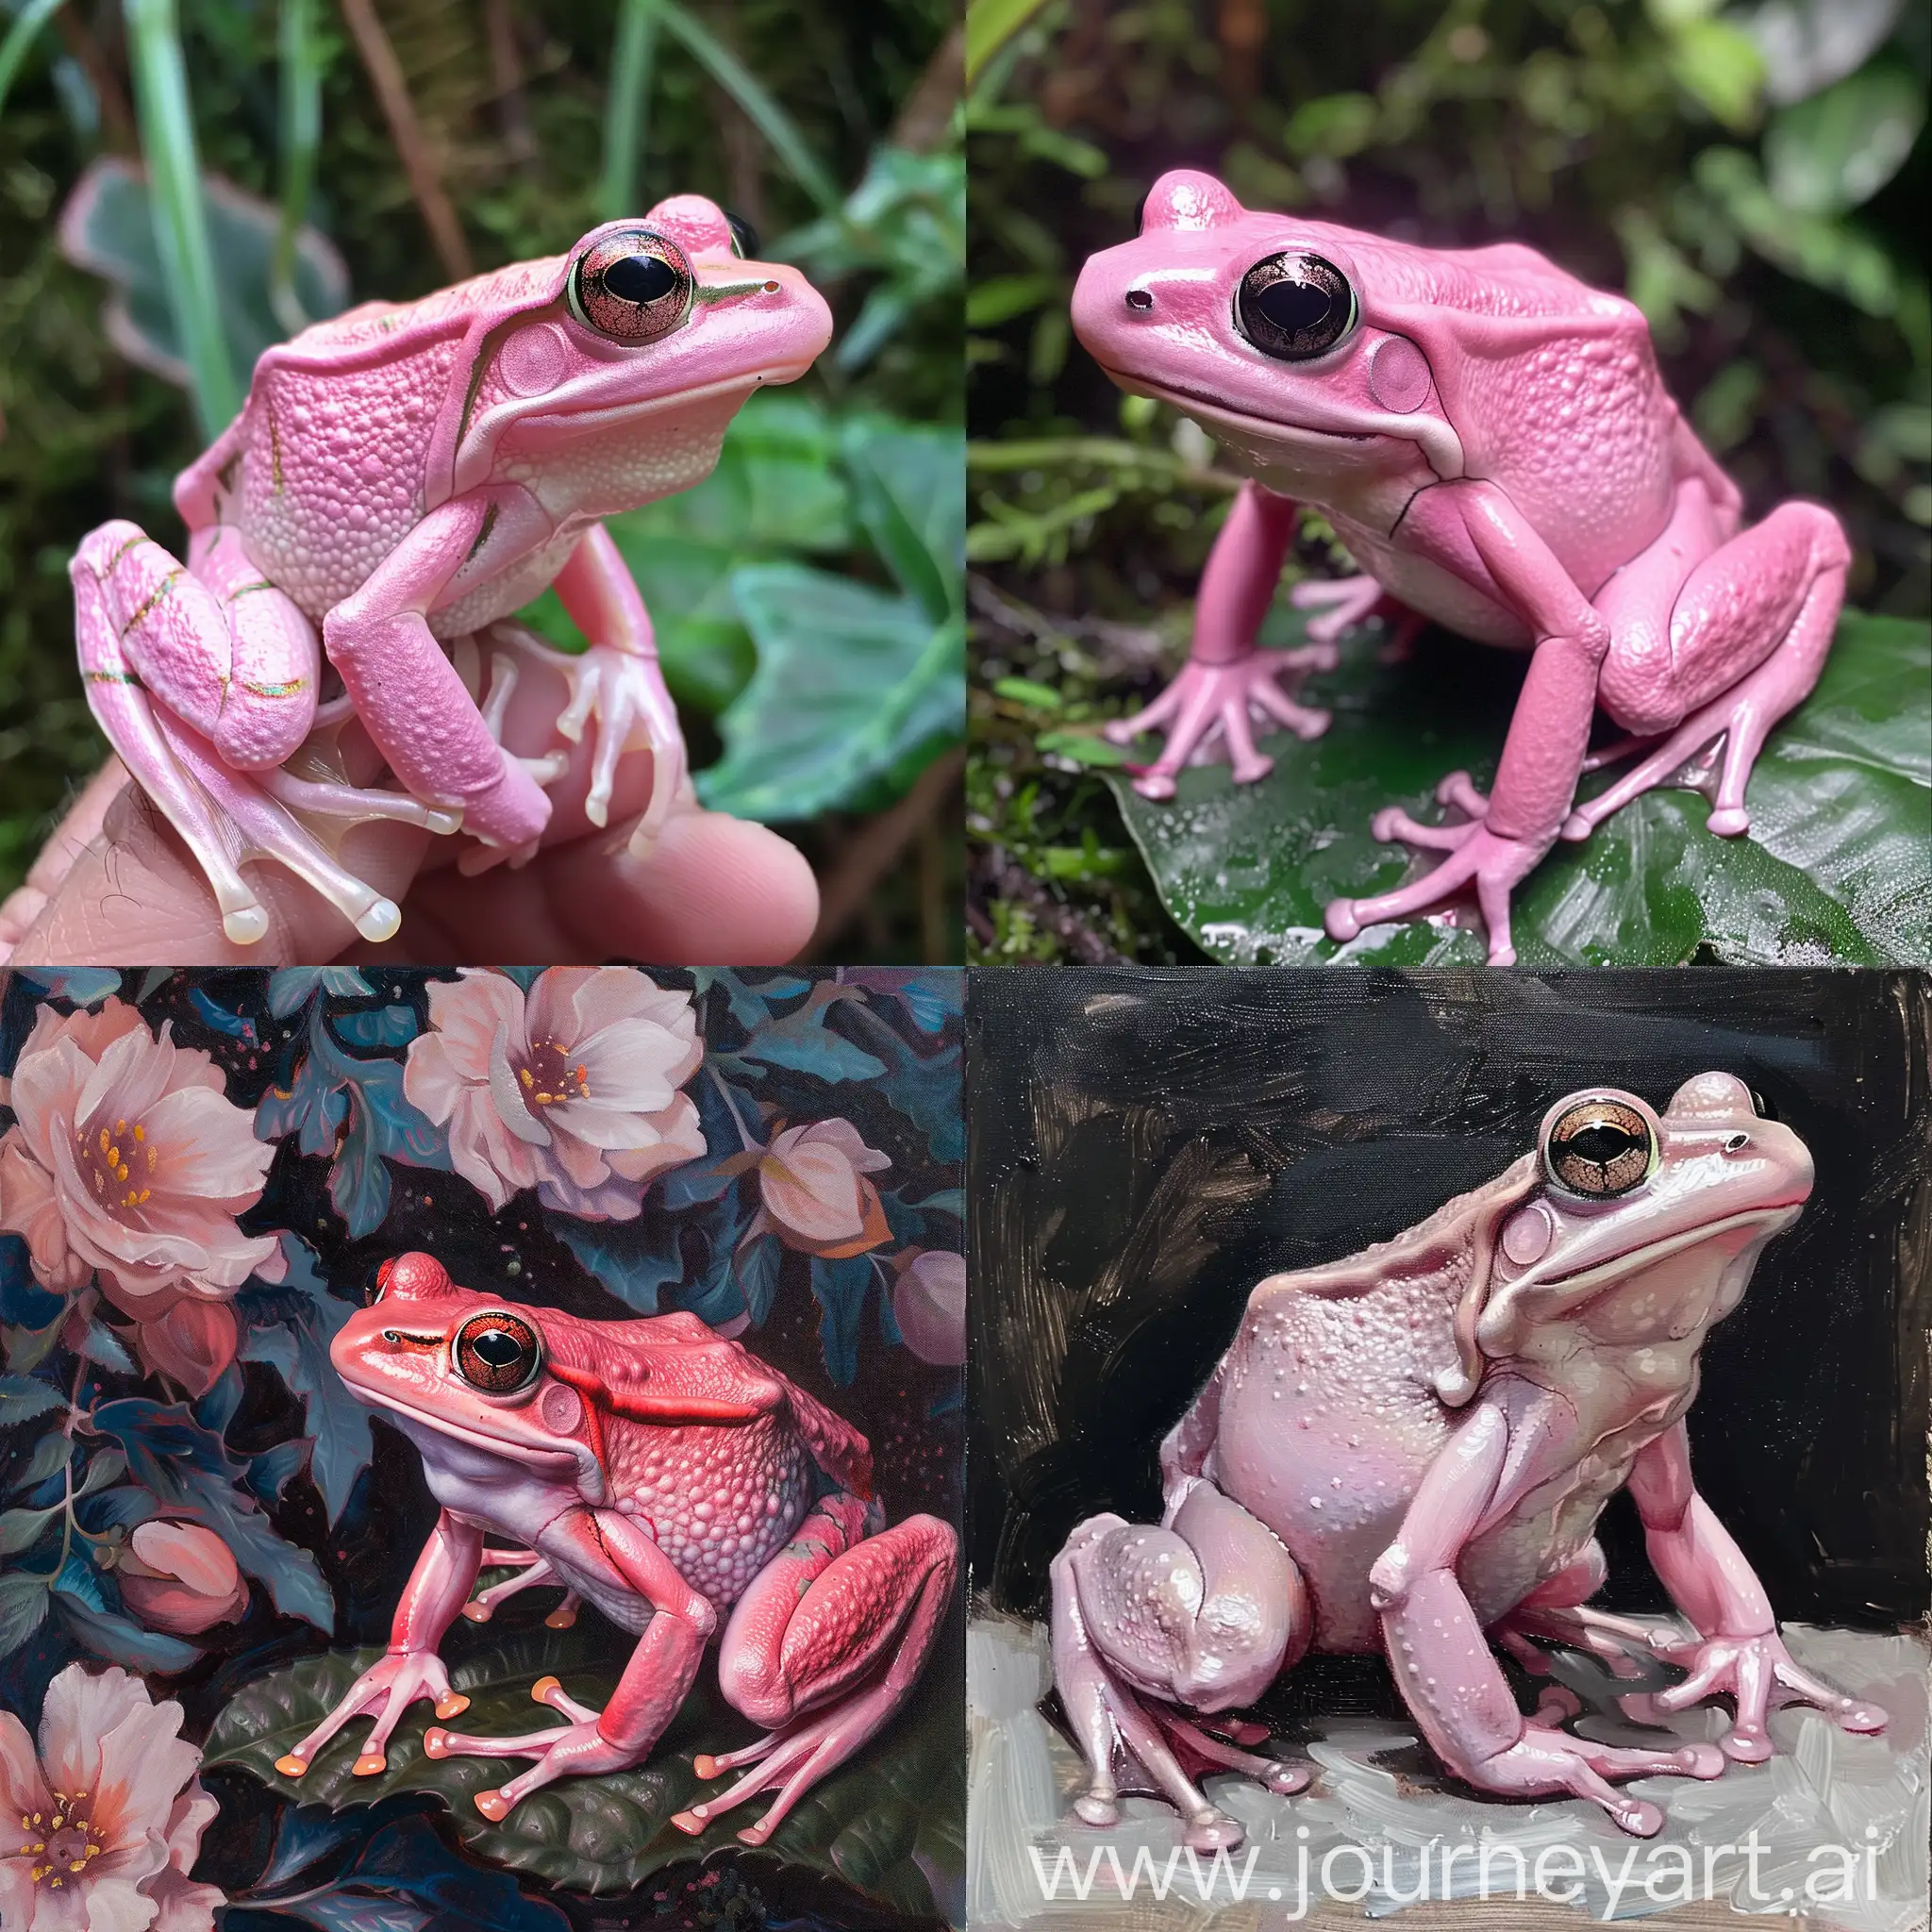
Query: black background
[1146, 1145]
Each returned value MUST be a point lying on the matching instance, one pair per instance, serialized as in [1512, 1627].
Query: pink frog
[399, 479]
[1407, 1452]
[680, 1485]
[1490, 439]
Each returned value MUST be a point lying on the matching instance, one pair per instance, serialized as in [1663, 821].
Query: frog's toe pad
[1101, 1813]
[707, 1766]
[453, 1703]
[1213, 1831]
[1702, 1761]
[1286, 1779]
[1746, 1747]
[493, 1806]
[689, 1823]
[436, 1741]
[370, 1764]
[477, 1613]
[291, 1766]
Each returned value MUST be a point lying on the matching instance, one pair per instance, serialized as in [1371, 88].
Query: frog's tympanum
[672, 1480]
[1407, 1453]
[1492, 441]
[400, 479]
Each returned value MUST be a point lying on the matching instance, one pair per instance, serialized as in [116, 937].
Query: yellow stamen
[141, 1133]
[153, 1156]
[105, 1142]
[120, 1126]
[114, 1156]
[523, 1075]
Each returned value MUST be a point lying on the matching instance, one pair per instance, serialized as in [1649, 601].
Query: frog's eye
[745, 238]
[497, 1352]
[1600, 1148]
[632, 287]
[1294, 306]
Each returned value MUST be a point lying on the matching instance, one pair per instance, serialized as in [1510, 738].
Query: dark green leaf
[607, 1835]
[1837, 865]
[855, 693]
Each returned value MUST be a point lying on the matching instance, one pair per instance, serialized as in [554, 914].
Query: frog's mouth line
[1774, 1218]
[1197, 401]
[565, 1460]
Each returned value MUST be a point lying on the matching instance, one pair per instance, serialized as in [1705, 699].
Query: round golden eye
[1294, 306]
[497, 1353]
[1600, 1148]
[633, 286]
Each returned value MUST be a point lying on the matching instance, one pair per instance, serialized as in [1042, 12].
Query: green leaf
[22, 1397]
[606, 1834]
[1720, 66]
[908, 488]
[1836, 866]
[855, 693]
[990, 24]
[1830, 154]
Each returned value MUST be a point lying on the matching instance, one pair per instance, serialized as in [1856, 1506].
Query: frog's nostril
[1139, 298]
[1737, 1143]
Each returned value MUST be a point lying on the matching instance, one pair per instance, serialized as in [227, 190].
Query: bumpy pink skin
[1495, 448]
[402, 477]
[673, 1481]
[1407, 1452]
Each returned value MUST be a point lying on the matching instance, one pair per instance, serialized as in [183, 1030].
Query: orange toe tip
[688, 1821]
[291, 1766]
[561, 1620]
[493, 1806]
[436, 1741]
[753, 1835]
[370, 1764]
[478, 1614]
[707, 1766]
[544, 1690]
[452, 1706]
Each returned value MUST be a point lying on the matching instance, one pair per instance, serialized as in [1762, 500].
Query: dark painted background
[1146, 1145]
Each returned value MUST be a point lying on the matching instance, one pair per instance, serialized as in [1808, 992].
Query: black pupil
[497, 1348]
[1600, 1144]
[639, 278]
[1296, 307]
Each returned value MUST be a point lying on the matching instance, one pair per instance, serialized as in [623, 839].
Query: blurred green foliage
[841, 150]
[1753, 175]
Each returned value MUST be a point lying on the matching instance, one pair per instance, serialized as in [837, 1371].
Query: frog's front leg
[1226, 680]
[823, 1647]
[409, 697]
[410, 1668]
[1475, 530]
[654, 1682]
[1152, 1627]
[203, 678]
[1737, 1650]
[619, 683]
[1440, 1656]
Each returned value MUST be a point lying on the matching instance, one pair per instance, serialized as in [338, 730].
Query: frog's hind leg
[535, 1571]
[1743, 643]
[204, 679]
[1152, 1624]
[823, 1647]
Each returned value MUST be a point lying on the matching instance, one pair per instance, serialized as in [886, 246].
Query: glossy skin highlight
[1493, 442]
[1407, 1452]
[400, 480]
[684, 1489]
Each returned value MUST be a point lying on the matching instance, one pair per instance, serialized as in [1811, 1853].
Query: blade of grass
[763, 112]
[301, 132]
[990, 24]
[627, 109]
[19, 37]
[173, 174]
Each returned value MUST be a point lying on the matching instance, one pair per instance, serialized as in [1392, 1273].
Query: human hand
[115, 883]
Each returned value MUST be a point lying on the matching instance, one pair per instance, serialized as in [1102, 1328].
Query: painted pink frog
[399, 479]
[680, 1485]
[1407, 1452]
[1492, 441]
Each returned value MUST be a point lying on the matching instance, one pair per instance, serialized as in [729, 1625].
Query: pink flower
[929, 1305]
[191, 1344]
[182, 1578]
[572, 1090]
[812, 1185]
[128, 1160]
[114, 1813]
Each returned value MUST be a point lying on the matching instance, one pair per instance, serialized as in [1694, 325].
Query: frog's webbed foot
[578, 1749]
[535, 1571]
[1211, 710]
[1543, 1760]
[1488, 862]
[1759, 1673]
[386, 1690]
[624, 691]
[1345, 602]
